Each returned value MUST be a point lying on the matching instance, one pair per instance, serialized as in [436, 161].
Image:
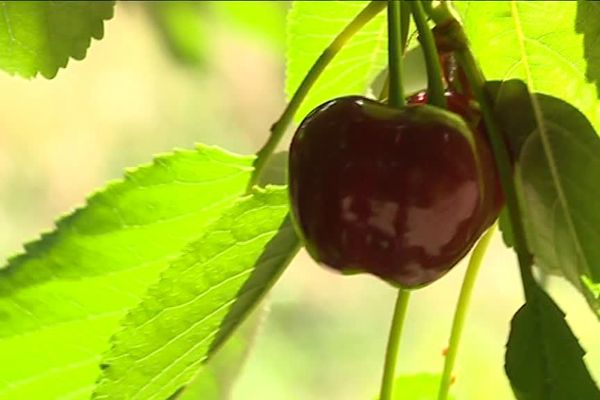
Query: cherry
[464, 105]
[398, 193]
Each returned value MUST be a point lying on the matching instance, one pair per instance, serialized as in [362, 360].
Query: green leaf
[421, 386]
[215, 380]
[557, 177]
[200, 300]
[536, 40]
[61, 300]
[41, 36]
[588, 23]
[544, 360]
[513, 111]
[312, 25]
[552, 148]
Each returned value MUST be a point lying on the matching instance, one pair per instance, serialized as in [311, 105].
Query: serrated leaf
[557, 176]
[552, 148]
[511, 41]
[61, 300]
[544, 360]
[588, 23]
[41, 36]
[200, 299]
[312, 25]
[422, 386]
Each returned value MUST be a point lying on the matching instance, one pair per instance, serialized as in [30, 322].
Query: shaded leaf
[558, 167]
[513, 111]
[200, 300]
[312, 25]
[557, 177]
[544, 360]
[41, 36]
[61, 300]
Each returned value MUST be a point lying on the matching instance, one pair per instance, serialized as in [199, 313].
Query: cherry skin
[464, 105]
[393, 192]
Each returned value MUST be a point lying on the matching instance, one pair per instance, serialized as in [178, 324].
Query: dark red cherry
[393, 192]
[464, 105]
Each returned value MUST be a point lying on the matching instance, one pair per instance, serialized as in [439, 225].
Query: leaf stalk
[462, 307]
[393, 345]
[280, 126]
[435, 84]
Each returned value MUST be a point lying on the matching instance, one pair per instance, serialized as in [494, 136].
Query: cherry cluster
[401, 193]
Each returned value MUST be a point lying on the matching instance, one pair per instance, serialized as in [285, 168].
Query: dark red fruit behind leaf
[393, 192]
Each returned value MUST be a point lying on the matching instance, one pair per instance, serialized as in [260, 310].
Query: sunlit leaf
[215, 379]
[588, 23]
[539, 42]
[61, 300]
[41, 36]
[200, 299]
[312, 25]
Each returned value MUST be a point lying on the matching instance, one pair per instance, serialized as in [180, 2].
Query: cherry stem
[502, 158]
[393, 345]
[396, 43]
[443, 14]
[462, 307]
[435, 84]
[395, 51]
[280, 126]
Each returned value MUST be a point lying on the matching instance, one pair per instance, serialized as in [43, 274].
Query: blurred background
[169, 74]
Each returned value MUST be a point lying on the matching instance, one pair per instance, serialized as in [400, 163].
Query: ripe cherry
[463, 105]
[398, 193]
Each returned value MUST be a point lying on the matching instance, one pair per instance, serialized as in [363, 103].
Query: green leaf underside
[41, 36]
[422, 386]
[312, 25]
[61, 300]
[557, 172]
[544, 360]
[558, 183]
[510, 41]
[200, 299]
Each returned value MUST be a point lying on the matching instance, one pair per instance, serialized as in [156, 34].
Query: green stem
[278, 129]
[502, 158]
[396, 99]
[435, 84]
[404, 24]
[393, 345]
[395, 50]
[461, 310]
[444, 15]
